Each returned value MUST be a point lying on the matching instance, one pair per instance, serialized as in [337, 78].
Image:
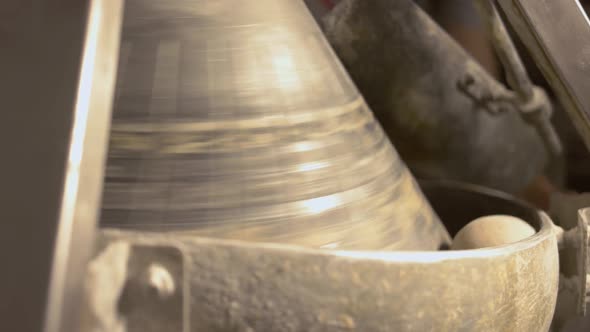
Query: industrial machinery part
[221, 285]
[556, 33]
[57, 64]
[569, 210]
[530, 100]
[562, 55]
[236, 120]
[178, 280]
[435, 102]
[578, 238]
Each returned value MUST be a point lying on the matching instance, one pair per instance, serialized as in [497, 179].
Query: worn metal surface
[103, 285]
[239, 286]
[583, 258]
[578, 239]
[556, 34]
[564, 210]
[236, 120]
[531, 101]
[574, 243]
[143, 298]
[58, 65]
[409, 71]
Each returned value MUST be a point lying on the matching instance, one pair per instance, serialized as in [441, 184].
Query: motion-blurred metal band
[236, 120]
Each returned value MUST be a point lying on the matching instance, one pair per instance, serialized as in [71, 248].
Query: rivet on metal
[160, 279]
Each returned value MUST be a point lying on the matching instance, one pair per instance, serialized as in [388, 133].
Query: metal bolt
[160, 280]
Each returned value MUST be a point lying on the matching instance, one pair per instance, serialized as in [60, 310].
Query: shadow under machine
[223, 172]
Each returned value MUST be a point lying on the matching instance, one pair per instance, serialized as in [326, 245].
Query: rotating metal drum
[234, 119]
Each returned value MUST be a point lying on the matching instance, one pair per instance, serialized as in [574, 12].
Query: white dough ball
[490, 231]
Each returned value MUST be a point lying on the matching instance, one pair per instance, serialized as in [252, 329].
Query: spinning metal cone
[234, 119]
